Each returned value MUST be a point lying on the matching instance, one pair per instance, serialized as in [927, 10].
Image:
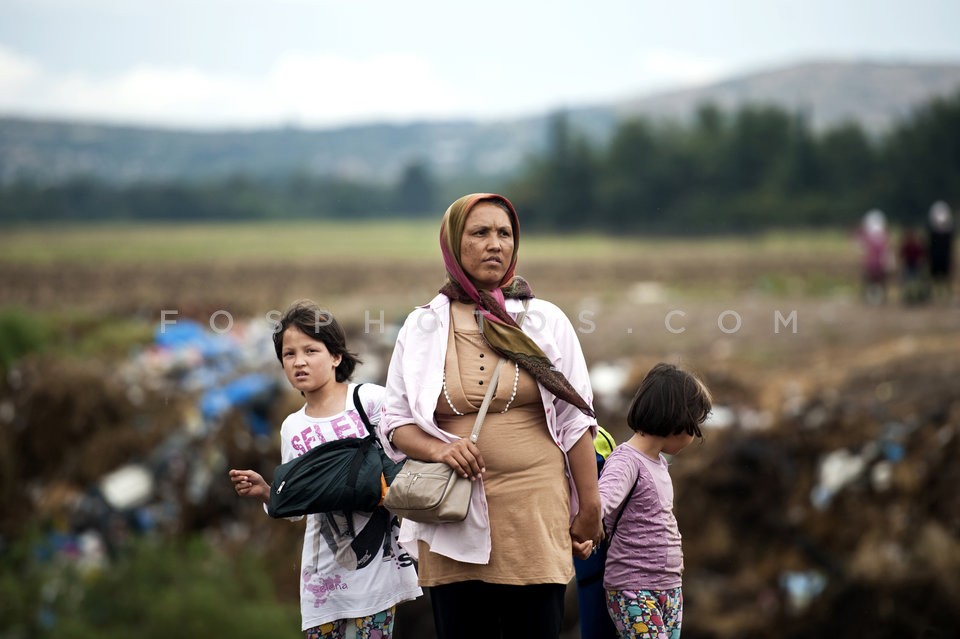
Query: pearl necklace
[513, 395]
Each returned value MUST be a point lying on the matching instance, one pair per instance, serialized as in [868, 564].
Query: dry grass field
[757, 308]
[799, 364]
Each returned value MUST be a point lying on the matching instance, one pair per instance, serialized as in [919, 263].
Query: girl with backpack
[353, 571]
[642, 575]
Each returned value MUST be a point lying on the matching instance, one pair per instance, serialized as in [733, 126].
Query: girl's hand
[249, 483]
[583, 549]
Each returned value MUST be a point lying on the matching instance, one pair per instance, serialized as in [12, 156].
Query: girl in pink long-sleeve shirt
[642, 577]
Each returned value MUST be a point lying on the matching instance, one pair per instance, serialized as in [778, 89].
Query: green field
[415, 241]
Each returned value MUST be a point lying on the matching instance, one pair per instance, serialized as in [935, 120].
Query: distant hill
[874, 94]
[53, 150]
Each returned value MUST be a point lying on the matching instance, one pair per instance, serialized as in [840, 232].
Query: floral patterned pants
[378, 626]
[646, 614]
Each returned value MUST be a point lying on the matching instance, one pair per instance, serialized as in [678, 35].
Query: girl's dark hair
[669, 401]
[321, 325]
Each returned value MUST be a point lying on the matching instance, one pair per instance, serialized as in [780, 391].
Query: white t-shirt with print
[344, 576]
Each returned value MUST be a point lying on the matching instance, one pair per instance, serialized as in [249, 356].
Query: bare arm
[583, 466]
[462, 455]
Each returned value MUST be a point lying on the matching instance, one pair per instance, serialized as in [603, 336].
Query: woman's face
[486, 248]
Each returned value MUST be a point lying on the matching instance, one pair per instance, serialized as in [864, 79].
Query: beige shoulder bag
[432, 492]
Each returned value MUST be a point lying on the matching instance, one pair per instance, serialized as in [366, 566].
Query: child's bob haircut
[307, 316]
[670, 401]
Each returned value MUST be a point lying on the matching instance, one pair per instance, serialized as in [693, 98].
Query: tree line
[754, 168]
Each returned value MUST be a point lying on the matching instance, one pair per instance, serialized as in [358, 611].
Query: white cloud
[305, 89]
[325, 88]
[660, 68]
[202, 62]
[15, 69]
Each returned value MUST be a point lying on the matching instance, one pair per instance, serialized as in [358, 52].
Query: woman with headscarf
[875, 256]
[502, 572]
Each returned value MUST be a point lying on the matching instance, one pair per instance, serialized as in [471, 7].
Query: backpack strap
[357, 461]
[623, 507]
[359, 407]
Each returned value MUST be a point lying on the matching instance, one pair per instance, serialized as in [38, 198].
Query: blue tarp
[238, 392]
[185, 333]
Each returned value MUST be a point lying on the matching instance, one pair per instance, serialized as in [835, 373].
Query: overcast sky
[228, 63]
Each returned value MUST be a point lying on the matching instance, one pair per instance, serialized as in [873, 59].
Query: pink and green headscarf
[499, 329]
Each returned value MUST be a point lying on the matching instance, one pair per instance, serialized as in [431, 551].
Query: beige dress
[527, 491]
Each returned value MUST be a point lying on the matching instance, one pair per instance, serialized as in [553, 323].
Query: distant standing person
[644, 565]
[353, 571]
[913, 289]
[940, 249]
[876, 256]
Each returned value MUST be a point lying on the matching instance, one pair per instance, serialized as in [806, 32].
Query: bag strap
[623, 506]
[355, 467]
[359, 407]
[475, 433]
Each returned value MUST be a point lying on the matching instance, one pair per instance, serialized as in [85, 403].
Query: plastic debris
[127, 487]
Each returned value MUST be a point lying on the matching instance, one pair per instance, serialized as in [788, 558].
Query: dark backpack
[343, 475]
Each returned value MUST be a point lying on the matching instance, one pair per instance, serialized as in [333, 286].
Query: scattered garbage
[837, 469]
[802, 587]
[720, 418]
[834, 508]
[113, 450]
[792, 530]
[608, 381]
[126, 487]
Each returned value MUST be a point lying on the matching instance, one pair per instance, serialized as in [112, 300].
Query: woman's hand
[587, 526]
[463, 456]
[249, 483]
